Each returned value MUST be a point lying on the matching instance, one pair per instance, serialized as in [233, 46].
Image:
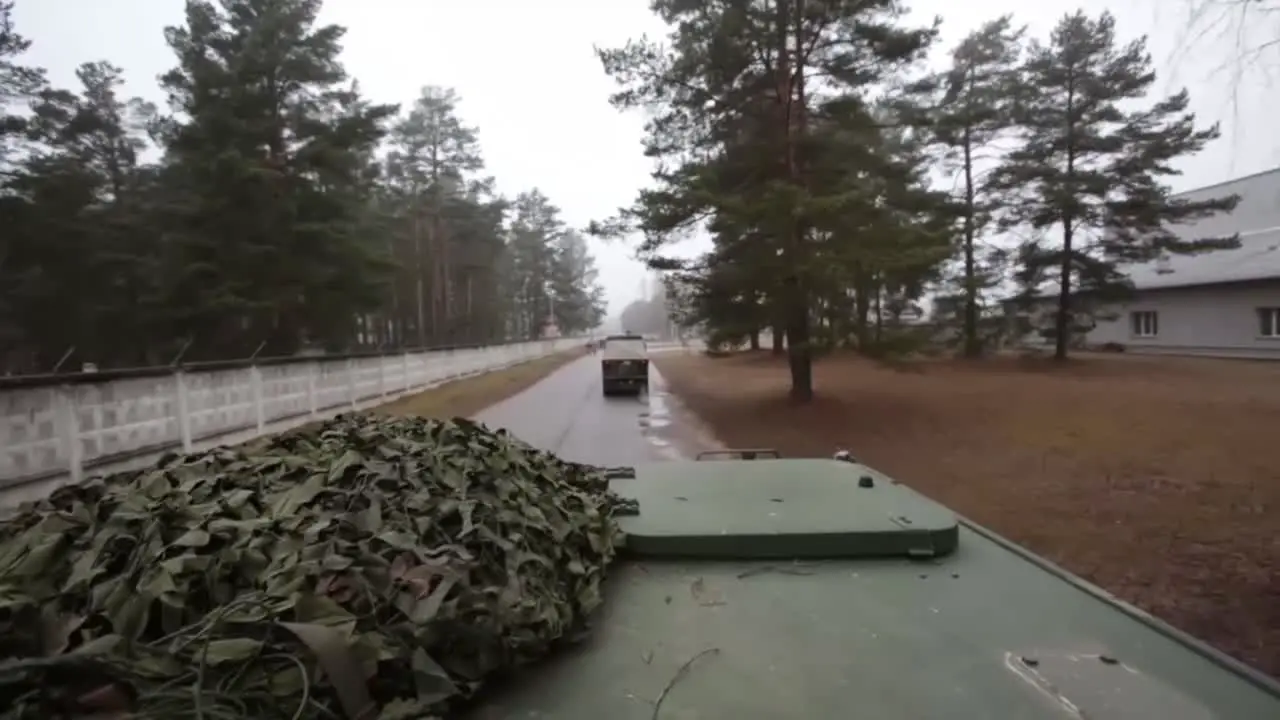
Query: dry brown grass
[467, 396]
[1156, 478]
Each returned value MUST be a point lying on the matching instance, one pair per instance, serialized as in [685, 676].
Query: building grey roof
[1257, 258]
[1257, 221]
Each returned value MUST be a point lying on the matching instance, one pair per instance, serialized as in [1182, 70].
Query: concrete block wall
[62, 430]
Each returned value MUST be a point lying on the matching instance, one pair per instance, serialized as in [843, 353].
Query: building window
[1269, 322]
[1145, 324]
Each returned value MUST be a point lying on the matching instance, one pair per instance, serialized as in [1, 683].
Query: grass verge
[467, 396]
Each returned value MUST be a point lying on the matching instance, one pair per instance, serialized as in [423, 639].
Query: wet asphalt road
[566, 413]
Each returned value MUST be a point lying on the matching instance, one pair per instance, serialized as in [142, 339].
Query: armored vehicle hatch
[713, 612]
[780, 509]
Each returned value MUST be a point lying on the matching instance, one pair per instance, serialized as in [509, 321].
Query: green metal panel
[780, 508]
[984, 633]
[714, 615]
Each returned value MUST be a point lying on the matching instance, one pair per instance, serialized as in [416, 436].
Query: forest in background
[268, 209]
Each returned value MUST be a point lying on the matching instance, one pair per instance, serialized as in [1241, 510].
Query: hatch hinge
[920, 546]
[919, 542]
[741, 454]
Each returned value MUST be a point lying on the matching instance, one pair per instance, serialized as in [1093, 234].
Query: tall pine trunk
[791, 93]
[972, 343]
[1063, 321]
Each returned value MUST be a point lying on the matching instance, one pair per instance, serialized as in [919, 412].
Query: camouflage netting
[368, 568]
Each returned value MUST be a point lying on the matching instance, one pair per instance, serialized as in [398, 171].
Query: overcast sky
[529, 80]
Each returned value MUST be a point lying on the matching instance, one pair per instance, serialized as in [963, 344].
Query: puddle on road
[659, 414]
[659, 427]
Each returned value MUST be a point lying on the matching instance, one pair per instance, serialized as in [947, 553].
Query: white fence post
[352, 392]
[259, 403]
[69, 429]
[183, 409]
[313, 402]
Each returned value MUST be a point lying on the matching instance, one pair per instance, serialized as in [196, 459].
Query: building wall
[1216, 321]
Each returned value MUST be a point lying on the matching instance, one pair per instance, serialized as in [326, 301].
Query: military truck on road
[624, 367]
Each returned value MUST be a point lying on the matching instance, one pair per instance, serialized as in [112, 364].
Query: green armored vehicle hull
[822, 589]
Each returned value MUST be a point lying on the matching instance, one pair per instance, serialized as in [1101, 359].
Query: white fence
[59, 430]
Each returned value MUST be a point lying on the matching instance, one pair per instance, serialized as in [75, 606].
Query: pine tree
[574, 285]
[535, 230]
[974, 111]
[270, 142]
[1091, 164]
[20, 277]
[730, 61]
[884, 232]
[435, 155]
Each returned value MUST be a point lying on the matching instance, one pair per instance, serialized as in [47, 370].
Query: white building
[1219, 304]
